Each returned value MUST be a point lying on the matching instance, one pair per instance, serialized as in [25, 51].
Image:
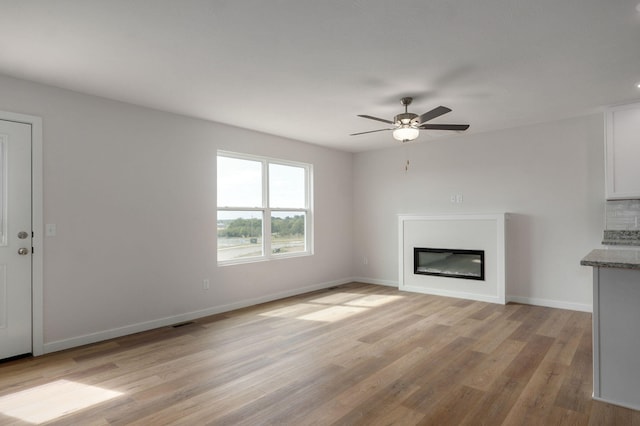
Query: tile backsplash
[622, 215]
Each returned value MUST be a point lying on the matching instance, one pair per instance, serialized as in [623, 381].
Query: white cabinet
[622, 140]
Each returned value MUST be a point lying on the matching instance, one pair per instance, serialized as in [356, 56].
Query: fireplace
[453, 255]
[452, 263]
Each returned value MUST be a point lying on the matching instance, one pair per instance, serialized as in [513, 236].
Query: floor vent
[182, 324]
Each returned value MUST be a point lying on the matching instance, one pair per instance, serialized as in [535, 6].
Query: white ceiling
[304, 69]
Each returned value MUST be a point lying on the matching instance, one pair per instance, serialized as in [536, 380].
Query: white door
[15, 239]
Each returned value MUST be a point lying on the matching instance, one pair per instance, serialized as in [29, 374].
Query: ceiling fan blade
[457, 127]
[430, 115]
[376, 118]
[370, 131]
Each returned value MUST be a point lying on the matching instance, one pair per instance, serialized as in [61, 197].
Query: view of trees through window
[249, 209]
[290, 226]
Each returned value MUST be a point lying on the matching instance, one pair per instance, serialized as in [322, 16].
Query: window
[264, 208]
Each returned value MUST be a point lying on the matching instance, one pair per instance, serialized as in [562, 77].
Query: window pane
[287, 232]
[286, 186]
[239, 182]
[239, 235]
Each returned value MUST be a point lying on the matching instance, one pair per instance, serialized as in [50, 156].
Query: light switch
[50, 229]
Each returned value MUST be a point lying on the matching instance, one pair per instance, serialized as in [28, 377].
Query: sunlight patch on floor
[53, 400]
[373, 300]
[333, 307]
[291, 311]
[336, 298]
[333, 313]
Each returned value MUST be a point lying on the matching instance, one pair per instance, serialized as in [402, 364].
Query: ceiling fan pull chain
[406, 155]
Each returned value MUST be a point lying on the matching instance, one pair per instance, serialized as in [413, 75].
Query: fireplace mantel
[485, 232]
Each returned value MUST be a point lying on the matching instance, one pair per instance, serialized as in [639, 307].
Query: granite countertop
[611, 258]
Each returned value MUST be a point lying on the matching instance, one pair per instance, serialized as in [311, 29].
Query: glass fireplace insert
[452, 263]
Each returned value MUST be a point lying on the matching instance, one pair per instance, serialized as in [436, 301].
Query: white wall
[550, 177]
[133, 194]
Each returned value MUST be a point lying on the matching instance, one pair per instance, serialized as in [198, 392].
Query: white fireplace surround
[464, 231]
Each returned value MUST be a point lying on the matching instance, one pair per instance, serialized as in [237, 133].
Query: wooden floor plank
[380, 382]
[527, 361]
[537, 399]
[577, 386]
[493, 366]
[496, 404]
[357, 354]
[448, 410]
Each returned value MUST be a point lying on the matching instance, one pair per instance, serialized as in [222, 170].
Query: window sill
[263, 259]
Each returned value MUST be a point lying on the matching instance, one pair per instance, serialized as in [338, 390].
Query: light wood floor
[353, 355]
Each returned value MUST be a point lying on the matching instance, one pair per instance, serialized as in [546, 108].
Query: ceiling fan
[406, 126]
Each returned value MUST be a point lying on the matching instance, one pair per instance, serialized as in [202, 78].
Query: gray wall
[133, 194]
[550, 177]
[132, 191]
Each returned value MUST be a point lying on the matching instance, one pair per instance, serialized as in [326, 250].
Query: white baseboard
[550, 303]
[516, 299]
[619, 404]
[99, 336]
[458, 294]
[368, 280]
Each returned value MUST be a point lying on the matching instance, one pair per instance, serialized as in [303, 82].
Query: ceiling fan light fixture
[405, 133]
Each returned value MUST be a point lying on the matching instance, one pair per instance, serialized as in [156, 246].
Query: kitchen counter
[613, 258]
[616, 325]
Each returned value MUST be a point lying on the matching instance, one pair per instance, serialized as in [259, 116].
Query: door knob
[23, 250]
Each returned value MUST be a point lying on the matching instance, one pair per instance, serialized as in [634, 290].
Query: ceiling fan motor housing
[406, 118]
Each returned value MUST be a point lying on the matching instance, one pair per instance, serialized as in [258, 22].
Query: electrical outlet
[205, 284]
[365, 260]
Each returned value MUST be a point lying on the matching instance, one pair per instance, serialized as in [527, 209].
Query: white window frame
[266, 210]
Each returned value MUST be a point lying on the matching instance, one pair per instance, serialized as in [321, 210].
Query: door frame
[37, 223]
